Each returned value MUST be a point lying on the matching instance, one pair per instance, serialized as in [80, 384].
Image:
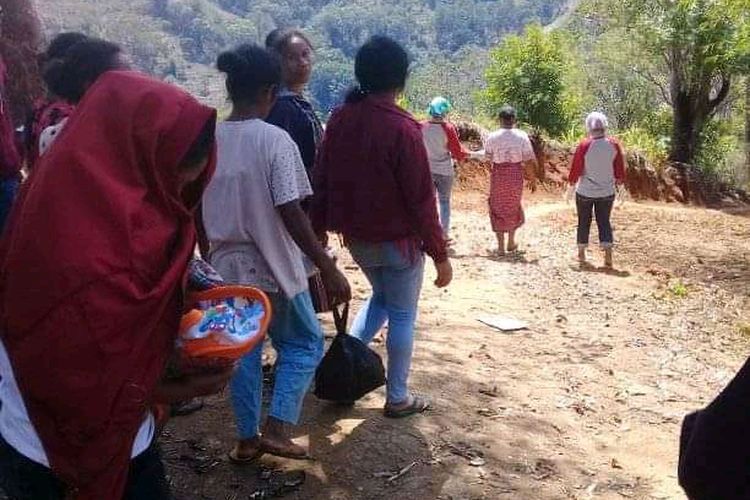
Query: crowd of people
[128, 175]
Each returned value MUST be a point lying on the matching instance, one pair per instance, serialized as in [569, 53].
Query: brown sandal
[283, 452]
[235, 458]
[418, 405]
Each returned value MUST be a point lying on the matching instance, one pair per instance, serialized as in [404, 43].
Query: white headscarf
[596, 121]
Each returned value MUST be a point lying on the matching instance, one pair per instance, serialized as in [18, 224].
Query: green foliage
[693, 49]
[650, 145]
[679, 290]
[528, 72]
[434, 31]
[457, 77]
[168, 37]
[721, 150]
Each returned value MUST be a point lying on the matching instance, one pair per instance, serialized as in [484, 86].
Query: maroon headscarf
[91, 274]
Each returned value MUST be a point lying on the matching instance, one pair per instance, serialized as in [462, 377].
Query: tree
[697, 43]
[528, 72]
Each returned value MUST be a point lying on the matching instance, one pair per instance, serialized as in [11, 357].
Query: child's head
[381, 66]
[70, 76]
[507, 116]
[439, 108]
[297, 56]
[597, 124]
[253, 76]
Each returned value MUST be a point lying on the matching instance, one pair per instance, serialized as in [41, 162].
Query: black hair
[507, 113]
[249, 70]
[202, 145]
[273, 37]
[83, 63]
[381, 65]
[280, 38]
[60, 44]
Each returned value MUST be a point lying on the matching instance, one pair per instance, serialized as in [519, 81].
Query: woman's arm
[299, 227]
[456, 149]
[619, 163]
[412, 173]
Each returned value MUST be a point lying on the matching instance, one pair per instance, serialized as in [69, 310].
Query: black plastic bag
[350, 369]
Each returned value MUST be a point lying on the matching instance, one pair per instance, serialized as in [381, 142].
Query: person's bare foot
[246, 450]
[608, 258]
[276, 442]
[582, 255]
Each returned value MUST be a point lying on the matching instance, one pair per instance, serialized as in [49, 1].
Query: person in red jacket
[598, 167]
[444, 149]
[372, 184]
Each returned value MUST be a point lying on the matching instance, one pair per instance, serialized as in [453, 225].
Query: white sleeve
[48, 136]
[288, 177]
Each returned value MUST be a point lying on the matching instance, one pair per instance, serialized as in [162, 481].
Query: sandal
[283, 452]
[235, 458]
[418, 405]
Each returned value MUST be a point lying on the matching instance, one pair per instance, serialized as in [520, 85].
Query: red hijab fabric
[91, 274]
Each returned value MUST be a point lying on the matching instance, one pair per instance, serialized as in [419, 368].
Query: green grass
[679, 290]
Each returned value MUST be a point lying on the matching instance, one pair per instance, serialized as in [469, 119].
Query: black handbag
[350, 369]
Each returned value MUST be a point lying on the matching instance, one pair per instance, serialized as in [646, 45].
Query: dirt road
[587, 403]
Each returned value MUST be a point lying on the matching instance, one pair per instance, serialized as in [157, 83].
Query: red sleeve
[413, 175]
[619, 164]
[579, 161]
[319, 202]
[454, 143]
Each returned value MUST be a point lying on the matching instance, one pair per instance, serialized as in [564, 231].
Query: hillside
[181, 38]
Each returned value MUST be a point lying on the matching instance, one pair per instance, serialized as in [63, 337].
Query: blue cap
[439, 107]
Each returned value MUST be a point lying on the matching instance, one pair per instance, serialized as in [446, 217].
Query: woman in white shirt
[257, 234]
[508, 149]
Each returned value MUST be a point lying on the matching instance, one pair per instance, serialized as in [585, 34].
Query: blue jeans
[444, 187]
[298, 340]
[396, 281]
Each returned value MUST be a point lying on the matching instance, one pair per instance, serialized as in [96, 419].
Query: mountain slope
[181, 38]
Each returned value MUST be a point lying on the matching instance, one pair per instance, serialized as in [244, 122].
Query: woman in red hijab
[91, 282]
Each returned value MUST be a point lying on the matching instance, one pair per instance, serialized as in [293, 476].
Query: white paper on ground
[503, 323]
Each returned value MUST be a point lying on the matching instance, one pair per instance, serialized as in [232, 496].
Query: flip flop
[418, 405]
[236, 459]
[282, 453]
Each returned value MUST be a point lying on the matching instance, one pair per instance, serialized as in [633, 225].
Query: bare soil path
[587, 403]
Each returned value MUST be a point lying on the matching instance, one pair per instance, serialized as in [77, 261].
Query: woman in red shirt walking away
[372, 184]
[443, 149]
[598, 166]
